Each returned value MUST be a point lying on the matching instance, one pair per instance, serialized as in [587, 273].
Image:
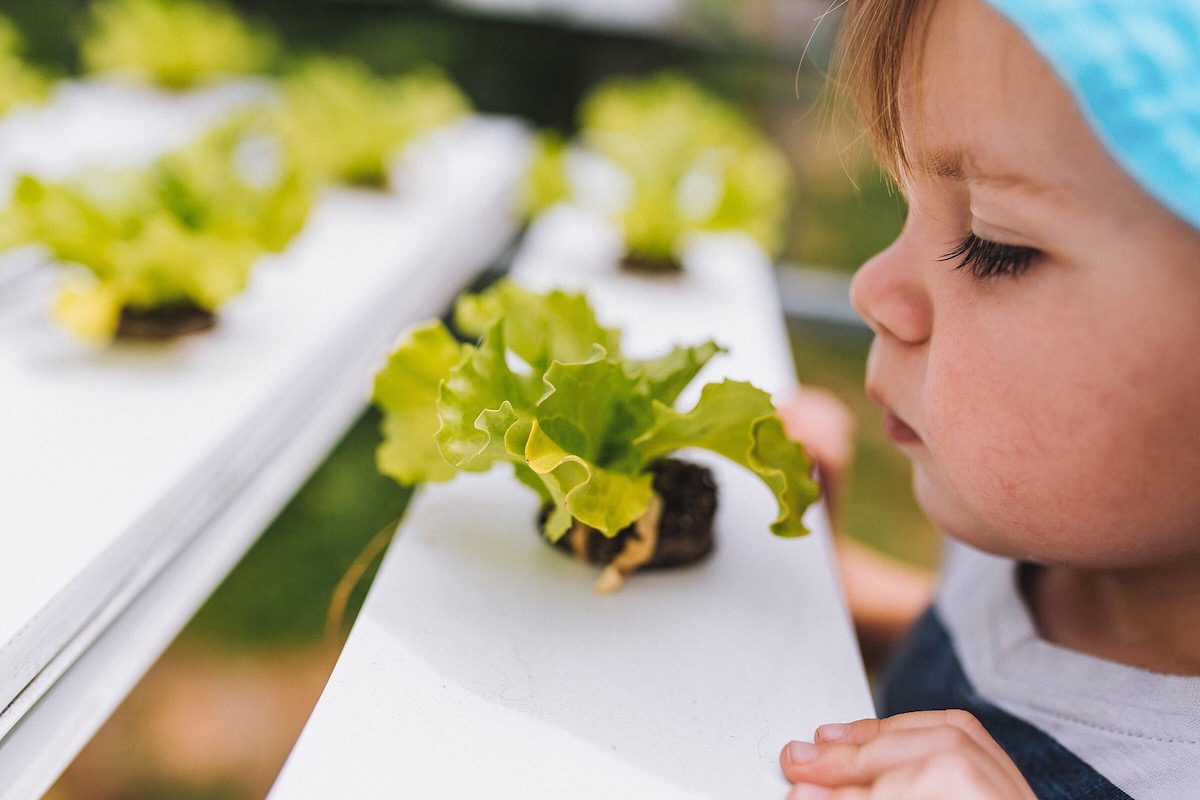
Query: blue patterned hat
[1133, 67]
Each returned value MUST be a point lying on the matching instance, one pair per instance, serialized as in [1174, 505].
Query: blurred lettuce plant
[19, 82]
[177, 44]
[692, 163]
[547, 182]
[183, 232]
[344, 122]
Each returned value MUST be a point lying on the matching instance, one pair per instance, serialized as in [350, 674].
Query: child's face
[1051, 410]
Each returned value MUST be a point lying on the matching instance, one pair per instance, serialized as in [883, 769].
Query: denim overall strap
[925, 675]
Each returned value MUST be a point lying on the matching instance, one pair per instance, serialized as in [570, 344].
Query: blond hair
[879, 40]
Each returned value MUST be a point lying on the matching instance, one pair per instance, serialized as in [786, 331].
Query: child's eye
[986, 259]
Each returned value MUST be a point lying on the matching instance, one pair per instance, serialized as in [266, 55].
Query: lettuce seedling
[344, 122]
[179, 236]
[547, 389]
[19, 82]
[177, 44]
[692, 163]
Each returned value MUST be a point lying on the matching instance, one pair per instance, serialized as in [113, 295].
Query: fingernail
[806, 791]
[801, 752]
[831, 733]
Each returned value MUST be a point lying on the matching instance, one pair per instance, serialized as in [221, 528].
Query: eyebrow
[943, 164]
[956, 165]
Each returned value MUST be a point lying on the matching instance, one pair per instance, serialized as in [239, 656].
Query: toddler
[1037, 357]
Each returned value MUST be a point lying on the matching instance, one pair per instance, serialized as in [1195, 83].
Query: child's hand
[885, 596]
[926, 755]
[825, 425]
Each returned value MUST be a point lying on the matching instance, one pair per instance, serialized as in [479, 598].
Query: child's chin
[955, 518]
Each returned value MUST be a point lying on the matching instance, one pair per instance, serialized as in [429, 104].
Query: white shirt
[1139, 729]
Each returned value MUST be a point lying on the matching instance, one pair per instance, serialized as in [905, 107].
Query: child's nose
[888, 294]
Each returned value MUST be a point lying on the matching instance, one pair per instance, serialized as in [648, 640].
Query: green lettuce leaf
[343, 122]
[19, 82]
[479, 401]
[406, 389]
[548, 390]
[581, 444]
[696, 164]
[173, 43]
[663, 378]
[604, 499]
[185, 230]
[538, 328]
[738, 421]
[237, 182]
[546, 181]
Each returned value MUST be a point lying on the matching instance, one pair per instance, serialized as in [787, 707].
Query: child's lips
[898, 430]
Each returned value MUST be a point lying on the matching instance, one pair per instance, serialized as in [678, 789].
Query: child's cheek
[1047, 461]
[987, 476]
[1009, 447]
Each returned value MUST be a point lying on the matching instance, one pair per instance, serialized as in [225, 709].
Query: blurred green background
[217, 714]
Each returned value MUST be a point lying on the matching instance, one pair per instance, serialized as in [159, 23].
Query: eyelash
[987, 259]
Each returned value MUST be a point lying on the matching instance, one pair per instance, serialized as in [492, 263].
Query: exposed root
[577, 540]
[638, 550]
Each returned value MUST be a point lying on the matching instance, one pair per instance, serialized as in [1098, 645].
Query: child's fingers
[922, 754]
[823, 422]
[843, 764]
[963, 721]
[863, 730]
[825, 425]
[857, 732]
[935, 779]
[804, 791]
